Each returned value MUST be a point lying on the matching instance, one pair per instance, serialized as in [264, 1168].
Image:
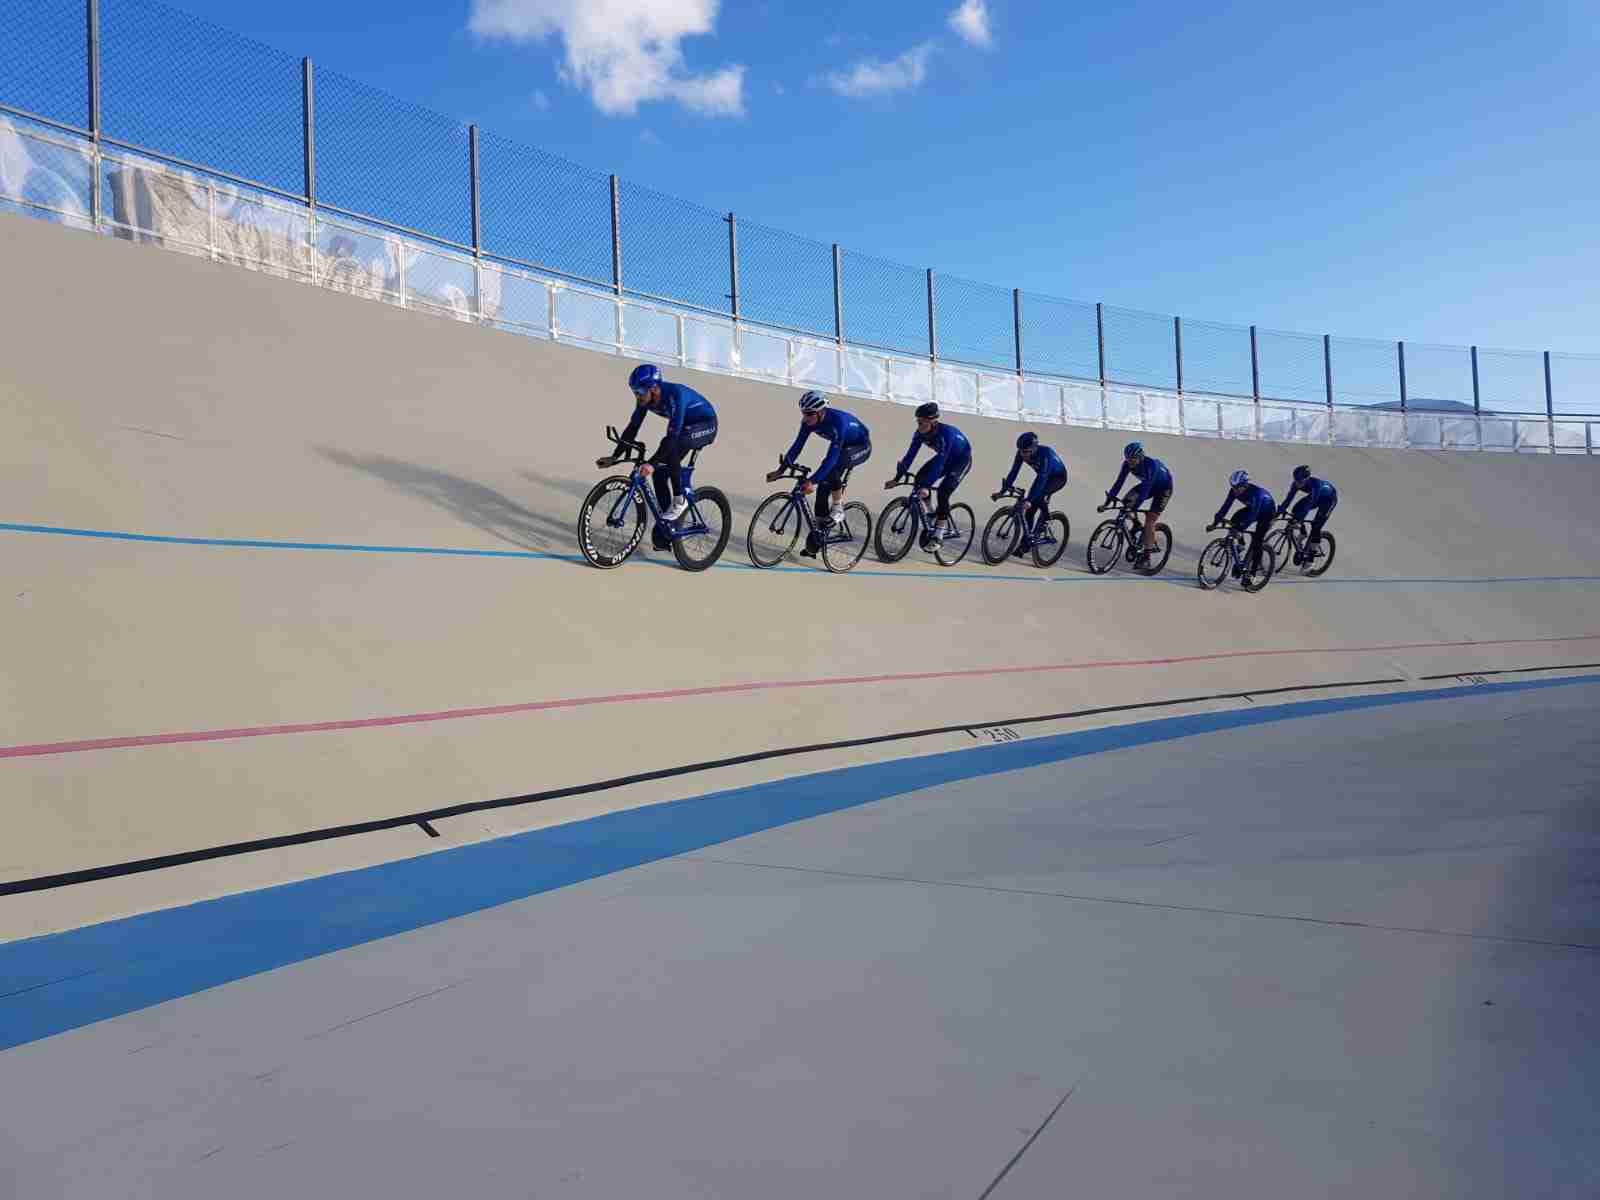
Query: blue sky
[1418, 170]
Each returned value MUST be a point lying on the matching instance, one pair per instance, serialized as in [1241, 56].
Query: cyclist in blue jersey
[1319, 495]
[952, 459]
[691, 425]
[850, 445]
[1049, 477]
[1257, 506]
[1155, 485]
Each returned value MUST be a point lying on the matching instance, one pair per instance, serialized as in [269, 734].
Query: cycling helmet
[928, 411]
[813, 401]
[1133, 450]
[1302, 473]
[645, 376]
[1027, 441]
[1238, 479]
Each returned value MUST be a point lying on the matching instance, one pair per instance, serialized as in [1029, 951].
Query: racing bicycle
[783, 515]
[1291, 543]
[611, 521]
[1007, 533]
[906, 519]
[1229, 555]
[1119, 537]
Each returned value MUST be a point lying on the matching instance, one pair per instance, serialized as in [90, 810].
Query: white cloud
[869, 77]
[971, 23]
[624, 53]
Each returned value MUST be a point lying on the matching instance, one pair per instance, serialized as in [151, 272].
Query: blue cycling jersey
[1046, 463]
[1151, 472]
[951, 452]
[1318, 491]
[840, 428]
[1256, 504]
[680, 405]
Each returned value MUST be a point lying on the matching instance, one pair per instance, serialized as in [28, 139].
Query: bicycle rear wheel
[1000, 536]
[773, 530]
[1105, 547]
[955, 535]
[1159, 555]
[897, 526]
[1282, 544]
[1059, 528]
[697, 551]
[1324, 560]
[845, 543]
[603, 544]
[1254, 581]
[1214, 563]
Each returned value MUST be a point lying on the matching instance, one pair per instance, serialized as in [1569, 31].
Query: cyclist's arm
[830, 460]
[676, 407]
[799, 444]
[1117, 486]
[904, 464]
[631, 429]
[1011, 475]
[1222, 513]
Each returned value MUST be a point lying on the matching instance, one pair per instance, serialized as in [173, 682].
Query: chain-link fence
[137, 118]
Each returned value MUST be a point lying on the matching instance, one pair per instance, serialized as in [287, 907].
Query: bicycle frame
[641, 492]
[924, 521]
[1020, 517]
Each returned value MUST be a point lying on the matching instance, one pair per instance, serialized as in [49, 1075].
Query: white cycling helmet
[813, 401]
[1239, 479]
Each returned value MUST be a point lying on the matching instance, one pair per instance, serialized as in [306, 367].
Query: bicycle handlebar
[900, 480]
[793, 471]
[1014, 492]
[626, 451]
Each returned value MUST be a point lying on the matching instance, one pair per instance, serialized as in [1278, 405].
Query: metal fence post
[838, 299]
[1255, 368]
[1477, 409]
[733, 264]
[933, 328]
[477, 220]
[1327, 374]
[92, 34]
[1100, 338]
[1016, 324]
[616, 236]
[308, 116]
[1549, 396]
[1400, 348]
[1177, 343]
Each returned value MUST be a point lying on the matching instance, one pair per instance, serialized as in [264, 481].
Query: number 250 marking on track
[996, 733]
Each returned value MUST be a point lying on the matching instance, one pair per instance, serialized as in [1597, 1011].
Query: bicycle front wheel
[1000, 537]
[846, 542]
[697, 551]
[773, 530]
[1159, 553]
[1105, 547]
[1282, 545]
[611, 522]
[896, 527]
[1058, 529]
[955, 535]
[1214, 563]
[1254, 581]
[1324, 558]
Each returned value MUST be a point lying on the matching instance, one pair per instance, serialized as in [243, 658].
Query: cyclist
[1258, 507]
[1320, 495]
[850, 446]
[952, 459]
[1155, 485]
[691, 425]
[1049, 477]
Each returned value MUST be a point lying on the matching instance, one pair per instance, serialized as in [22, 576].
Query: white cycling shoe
[676, 509]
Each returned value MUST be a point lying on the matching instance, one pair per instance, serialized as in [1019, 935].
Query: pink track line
[41, 749]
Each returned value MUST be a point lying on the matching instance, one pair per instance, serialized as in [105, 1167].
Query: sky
[1420, 170]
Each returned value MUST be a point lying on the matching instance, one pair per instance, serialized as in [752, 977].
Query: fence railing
[137, 120]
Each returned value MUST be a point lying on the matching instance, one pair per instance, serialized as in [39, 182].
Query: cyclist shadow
[471, 503]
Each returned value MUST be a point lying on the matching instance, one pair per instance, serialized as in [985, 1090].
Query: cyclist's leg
[1324, 511]
[1257, 540]
[849, 460]
[821, 506]
[1237, 523]
[1158, 505]
[1037, 499]
[948, 485]
[1043, 507]
[694, 437]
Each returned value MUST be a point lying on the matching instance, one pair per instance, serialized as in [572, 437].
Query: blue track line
[985, 576]
[63, 981]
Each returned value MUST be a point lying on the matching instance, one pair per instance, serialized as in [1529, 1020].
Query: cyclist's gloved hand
[808, 487]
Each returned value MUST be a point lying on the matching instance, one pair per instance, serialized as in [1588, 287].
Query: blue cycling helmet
[1133, 450]
[645, 376]
[1302, 473]
[1027, 441]
[928, 411]
[1238, 479]
[813, 401]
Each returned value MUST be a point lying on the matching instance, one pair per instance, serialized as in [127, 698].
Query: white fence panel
[708, 344]
[763, 354]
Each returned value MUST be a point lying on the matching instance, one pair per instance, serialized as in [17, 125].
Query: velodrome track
[282, 563]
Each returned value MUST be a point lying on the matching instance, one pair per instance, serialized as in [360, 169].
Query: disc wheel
[698, 551]
[1254, 581]
[1324, 559]
[896, 527]
[773, 530]
[1000, 536]
[1060, 529]
[1105, 547]
[1162, 552]
[955, 535]
[603, 544]
[1214, 560]
[846, 542]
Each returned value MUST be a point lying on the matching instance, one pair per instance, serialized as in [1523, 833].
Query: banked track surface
[174, 428]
